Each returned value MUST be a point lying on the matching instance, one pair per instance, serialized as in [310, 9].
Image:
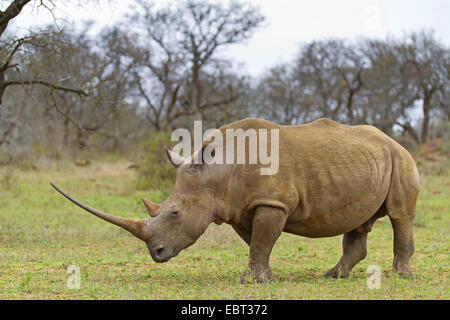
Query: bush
[442, 130]
[155, 172]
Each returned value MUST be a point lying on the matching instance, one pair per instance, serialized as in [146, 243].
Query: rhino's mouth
[161, 254]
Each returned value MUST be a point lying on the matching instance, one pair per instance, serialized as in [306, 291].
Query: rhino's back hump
[326, 131]
[251, 123]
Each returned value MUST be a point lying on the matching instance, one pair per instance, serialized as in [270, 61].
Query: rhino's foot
[246, 277]
[339, 270]
[354, 250]
[257, 274]
[403, 271]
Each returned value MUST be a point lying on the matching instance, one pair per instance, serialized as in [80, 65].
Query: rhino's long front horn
[136, 226]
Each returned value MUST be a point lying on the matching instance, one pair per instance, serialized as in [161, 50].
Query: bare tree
[386, 100]
[182, 54]
[377, 81]
[11, 46]
[281, 96]
[10, 74]
[425, 71]
[317, 66]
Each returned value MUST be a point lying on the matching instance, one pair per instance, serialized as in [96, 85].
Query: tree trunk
[350, 114]
[410, 130]
[426, 120]
[116, 134]
[66, 133]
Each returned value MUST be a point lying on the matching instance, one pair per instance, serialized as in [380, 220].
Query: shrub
[156, 172]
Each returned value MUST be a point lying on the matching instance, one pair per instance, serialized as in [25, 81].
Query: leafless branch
[10, 13]
[62, 112]
[44, 83]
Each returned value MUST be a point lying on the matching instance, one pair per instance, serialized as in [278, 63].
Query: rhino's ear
[174, 158]
[152, 208]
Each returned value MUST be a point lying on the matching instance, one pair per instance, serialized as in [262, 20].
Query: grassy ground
[42, 234]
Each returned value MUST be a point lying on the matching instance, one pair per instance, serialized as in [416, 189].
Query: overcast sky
[289, 23]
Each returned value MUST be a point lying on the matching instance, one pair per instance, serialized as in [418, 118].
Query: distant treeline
[161, 68]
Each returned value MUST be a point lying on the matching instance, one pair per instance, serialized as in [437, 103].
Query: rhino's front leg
[268, 223]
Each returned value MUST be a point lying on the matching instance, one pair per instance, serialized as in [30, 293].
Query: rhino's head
[180, 220]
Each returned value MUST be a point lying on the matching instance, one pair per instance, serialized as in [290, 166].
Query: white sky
[288, 23]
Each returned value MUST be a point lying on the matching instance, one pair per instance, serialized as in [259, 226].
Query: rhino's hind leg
[355, 250]
[355, 247]
[403, 245]
[401, 209]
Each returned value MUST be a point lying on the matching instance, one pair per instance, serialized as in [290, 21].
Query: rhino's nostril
[159, 252]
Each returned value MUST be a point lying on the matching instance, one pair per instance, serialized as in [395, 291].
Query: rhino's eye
[174, 212]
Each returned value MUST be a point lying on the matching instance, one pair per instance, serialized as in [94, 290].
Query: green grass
[42, 234]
